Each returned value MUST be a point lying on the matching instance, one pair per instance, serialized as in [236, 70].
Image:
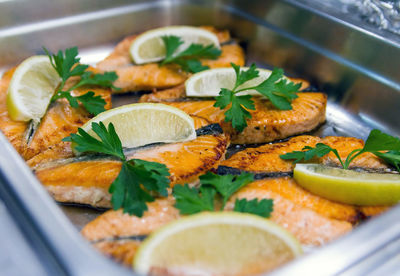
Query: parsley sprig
[136, 181]
[67, 65]
[376, 142]
[194, 200]
[188, 59]
[277, 89]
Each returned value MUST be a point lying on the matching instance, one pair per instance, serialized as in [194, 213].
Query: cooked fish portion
[151, 76]
[63, 150]
[308, 226]
[60, 120]
[178, 93]
[287, 188]
[265, 159]
[86, 179]
[116, 224]
[13, 130]
[123, 251]
[267, 123]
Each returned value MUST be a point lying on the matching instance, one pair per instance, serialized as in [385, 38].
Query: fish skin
[59, 121]
[13, 130]
[267, 123]
[87, 182]
[152, 76]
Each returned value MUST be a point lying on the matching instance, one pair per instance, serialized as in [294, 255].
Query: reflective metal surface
[358, 70]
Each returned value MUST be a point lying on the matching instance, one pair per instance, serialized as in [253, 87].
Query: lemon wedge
[31, 88]
[146, 123]
[208, 83]
[149, 47]
[347, 186]
[225, 243]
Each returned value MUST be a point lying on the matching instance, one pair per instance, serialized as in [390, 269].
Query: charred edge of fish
[125, 238]
[31, 131]
[209, 130]
[222, 170]
[229, 42]
[83, 205]
[311, 88]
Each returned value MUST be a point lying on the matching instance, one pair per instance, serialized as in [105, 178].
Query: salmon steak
[59, 121]
[178, 93]
[86, 179]
[266, 123]
[132, 77]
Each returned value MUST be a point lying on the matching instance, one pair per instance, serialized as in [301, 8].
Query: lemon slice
[208, 83]
[149, 47]
[146, 123]
[346, 186]
[31, 88]
[224, 243]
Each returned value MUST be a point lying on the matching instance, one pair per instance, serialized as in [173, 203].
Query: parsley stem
[338, 157]
[352, 155]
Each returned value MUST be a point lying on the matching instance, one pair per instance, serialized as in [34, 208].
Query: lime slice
[149, 47]
[146, 123]
[346, 186]
[208, 83]
[225, 243]
[31, 88]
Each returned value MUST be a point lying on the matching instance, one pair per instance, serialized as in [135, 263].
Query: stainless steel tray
[358, 70]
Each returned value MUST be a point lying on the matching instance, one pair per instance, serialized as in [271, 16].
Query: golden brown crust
[114, 224]
[13, 130]
[267, 123]
[309, 227]
[87, 182]
[152, 76]
[122, 251]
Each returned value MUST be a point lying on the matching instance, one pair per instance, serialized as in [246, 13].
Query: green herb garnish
[277, 89]
[188, 59]
[195, 200]
[262, 208]
[67, 65]
[137, 178]
[376, 142]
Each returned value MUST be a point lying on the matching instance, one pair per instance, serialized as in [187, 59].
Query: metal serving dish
[358, 70]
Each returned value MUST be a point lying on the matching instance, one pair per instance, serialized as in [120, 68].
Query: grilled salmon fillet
[151, 76]
[310, 227]
[265, 159]
[87, 180]
[13, 130]
[63, 149]
[267, 123]
[59, 121]
[178, 93]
